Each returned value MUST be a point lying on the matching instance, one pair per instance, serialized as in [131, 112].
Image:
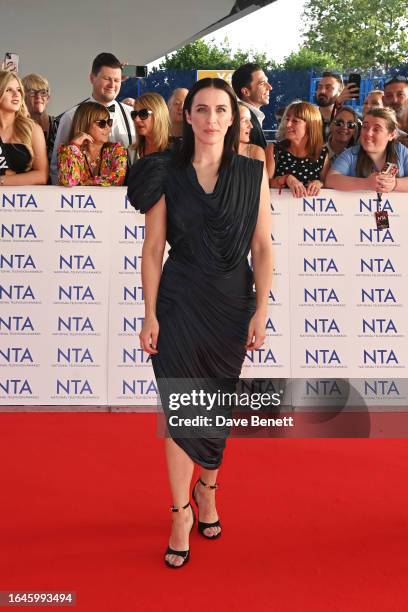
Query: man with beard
[330, 95]
[251, 86]
[396, 97]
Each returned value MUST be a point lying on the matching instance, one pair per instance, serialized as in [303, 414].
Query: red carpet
[309, 525]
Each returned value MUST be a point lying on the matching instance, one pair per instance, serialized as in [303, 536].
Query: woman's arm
[152, 261]
[71, 165]
[335, 180]
[261, 251]
[38, 175]
[270, 162]
[402, 184]
[117, 156]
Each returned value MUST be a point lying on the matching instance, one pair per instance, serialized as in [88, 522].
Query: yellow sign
[215, 74]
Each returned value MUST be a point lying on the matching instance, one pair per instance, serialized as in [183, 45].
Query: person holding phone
[360, 167]
[23, 155]
[331, 94]
[88, 158]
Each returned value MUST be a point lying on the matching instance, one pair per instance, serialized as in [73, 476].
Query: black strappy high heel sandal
[202, 526]
[185, 554]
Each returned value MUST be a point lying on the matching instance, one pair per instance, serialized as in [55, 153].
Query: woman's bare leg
[180, 469]
[206, 500]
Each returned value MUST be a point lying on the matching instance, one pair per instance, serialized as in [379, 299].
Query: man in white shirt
[106, 79]
[251, 86]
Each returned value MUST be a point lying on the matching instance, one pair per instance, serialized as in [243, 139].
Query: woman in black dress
[201, 314]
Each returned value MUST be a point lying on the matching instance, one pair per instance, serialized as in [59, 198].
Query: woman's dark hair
[85, 114]
[364, 166]
[231, 139]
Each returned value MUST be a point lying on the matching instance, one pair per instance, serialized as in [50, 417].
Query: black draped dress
[206, 296]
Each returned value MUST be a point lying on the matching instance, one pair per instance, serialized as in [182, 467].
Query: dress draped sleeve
[147, 180]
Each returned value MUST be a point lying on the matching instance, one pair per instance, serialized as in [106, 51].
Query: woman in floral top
[88, 158]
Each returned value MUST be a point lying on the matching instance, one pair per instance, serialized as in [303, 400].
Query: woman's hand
[297, 188]
[81, 139]
[149, 334]
[385, 183]
[314, 187]
[256, 331]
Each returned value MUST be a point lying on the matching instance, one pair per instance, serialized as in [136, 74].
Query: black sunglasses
[143, 113]
[102, 123]
[341, 123]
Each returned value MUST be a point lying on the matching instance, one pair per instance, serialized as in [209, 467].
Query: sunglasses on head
[341, 123]
[102, 123]
[143, 113]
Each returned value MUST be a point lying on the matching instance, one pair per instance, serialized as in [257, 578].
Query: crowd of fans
[326, 144]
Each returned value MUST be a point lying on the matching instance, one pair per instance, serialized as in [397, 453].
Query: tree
[203, 55]
[306, 59]
[358, 33]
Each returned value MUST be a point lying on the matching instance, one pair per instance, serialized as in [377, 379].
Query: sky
[274, 29]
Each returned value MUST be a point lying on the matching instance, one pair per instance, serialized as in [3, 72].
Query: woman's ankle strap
[178, 509]
[208, 486]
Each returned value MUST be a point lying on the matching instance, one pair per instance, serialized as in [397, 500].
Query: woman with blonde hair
[23, 155]
[88, 158]
[37, 96]
[152, 124]
[300, 160]
[360, 167]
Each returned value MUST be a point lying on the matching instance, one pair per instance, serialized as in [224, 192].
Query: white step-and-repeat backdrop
[71, 299]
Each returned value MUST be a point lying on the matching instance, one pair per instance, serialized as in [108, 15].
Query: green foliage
[358, 33]
[306, 59]
[202, 55]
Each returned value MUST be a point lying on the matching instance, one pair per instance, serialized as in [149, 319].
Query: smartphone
[389, 168]
[133, 71]
[355, 79]
[11, 61]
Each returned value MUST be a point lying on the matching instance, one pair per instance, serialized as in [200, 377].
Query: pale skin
[10, 104]
[296, 134]
[374, 138]
[330, 92]
[145, 127]
[91, 142]
[245, 147]
[210, 117]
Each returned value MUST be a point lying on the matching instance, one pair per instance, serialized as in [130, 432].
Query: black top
[257, 136]
[303, 168]
[14, 157]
